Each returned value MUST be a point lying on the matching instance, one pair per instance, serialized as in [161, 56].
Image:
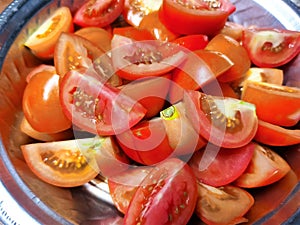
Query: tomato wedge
[196, 17]
[223, 205]
[98, 13]
[96, 107]
[271, 47]
[167, 195]
[134, 33]
[219, 166]
[266, 167]
[133, 60]
[192, 42]
[270, 101]
[225, 122]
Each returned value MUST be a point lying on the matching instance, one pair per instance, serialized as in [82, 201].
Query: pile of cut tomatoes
[177, 107]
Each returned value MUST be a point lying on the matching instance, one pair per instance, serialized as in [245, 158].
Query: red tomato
[266, 167]
[192, 42]
[196, 17]
[42, 42]
[98, 13]
[134, 33]
[96, 107]
[271, 47]
[150, 92]
[217, 166]
[225, 122]
[167, 195]
[41, 104]
[147, 142]
[231, 202]
[134, 11]
[274, 135]
[38, 69]
[123, 186]
[134, 60]
[270, 101]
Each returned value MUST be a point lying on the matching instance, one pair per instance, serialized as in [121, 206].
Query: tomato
[266, 167]
[28, 130]
[270, 101]
[147, 142]
[134, 33]
[223, 205]
[220, 166]
[271, 47]
[41, 104]
[62, 163]
[235, 52]
[135, 10]
[177, 126]
[192, 42]
[196, 17]
[97, 107]
[43, 40]
[38, 69]
[225, 122]
[156, 27]
[233, 30]
[98, 13]
[123, 186]
[167, 195]
[98, 36]
[274, 135]
[200, 68]
[134, 60]
[151, 92]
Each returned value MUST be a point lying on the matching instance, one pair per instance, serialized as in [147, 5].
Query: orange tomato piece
[134, 33]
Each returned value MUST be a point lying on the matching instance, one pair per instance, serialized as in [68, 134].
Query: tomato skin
[42, 42]
[135, 33]
[271, 47]
[266, 167]
[209, 127]
[192, 42]
[274, 135]
[225, 167]
[41, 103]
[113, 113]
[184, 20]
[170, 196]
[98, 13]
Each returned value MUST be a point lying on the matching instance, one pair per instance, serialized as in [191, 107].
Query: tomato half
[274, 135]
[61, 163]
[167, 195]
[97, 107]
[271, 47]
[219, 166]
[270, 101]
[98, 13]
[138, 59]
[41, 104]
[42, 42]
[192, 42]
[266, 167]
[196, 17]
[225, 122]
[223, 205]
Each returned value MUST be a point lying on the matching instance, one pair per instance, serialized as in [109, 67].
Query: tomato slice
[97, 107]
[167, 195]
[62, 163]
[223, 205]
[196, 17]
[135, 10]
[98, 13]
[147, 142]
[192, 42]
[225, 122]
[220, 166]
[42, 42]
[134, 60]
[270, 100]
[271, 47]
[266, 167]
[274, 135]
[41, 104]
